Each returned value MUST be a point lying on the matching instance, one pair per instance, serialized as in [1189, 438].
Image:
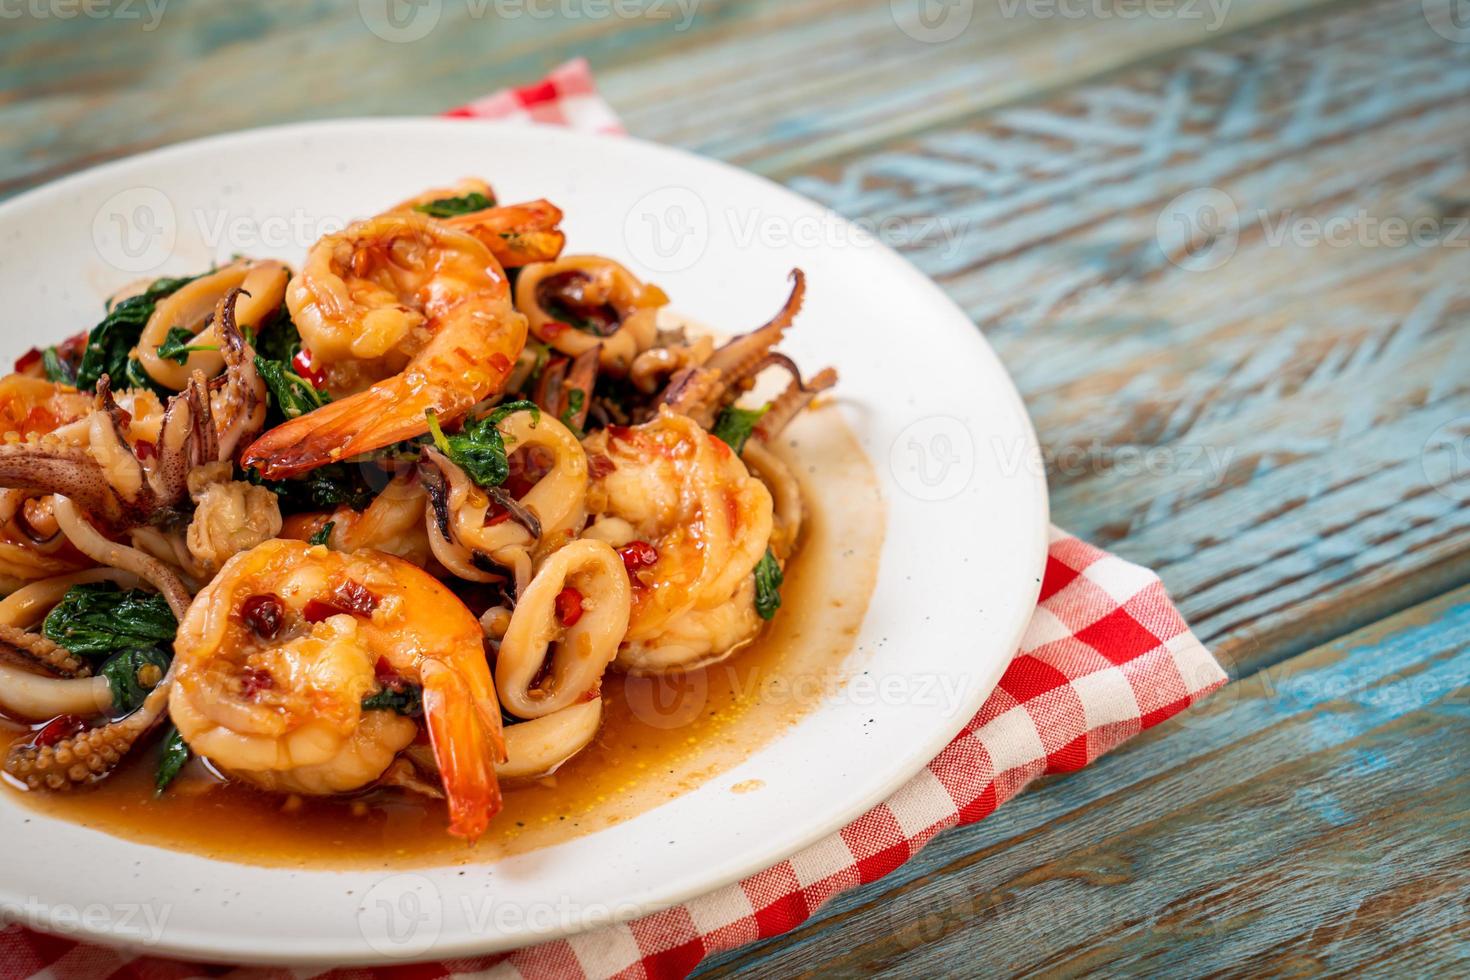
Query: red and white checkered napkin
[1106, 655]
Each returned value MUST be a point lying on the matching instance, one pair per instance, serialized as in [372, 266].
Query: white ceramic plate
[933, 408]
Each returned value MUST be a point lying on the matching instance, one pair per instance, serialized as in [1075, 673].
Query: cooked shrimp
[406, 299]
[276, 655]
[263, 284]
[517, 234]
[698, 637]
[578, 606]
[690, 519]
[393, 523]
[610, 305]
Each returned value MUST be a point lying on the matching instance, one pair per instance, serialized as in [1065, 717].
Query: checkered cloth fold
[1106, 655]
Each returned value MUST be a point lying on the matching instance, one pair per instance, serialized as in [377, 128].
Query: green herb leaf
[448, 207]
[98, 618]
[290, 392]
[735, 425]
[127, 673]
[177, 346]
[56, 367]
[576, 398]
[175, 754]
[406, 701]
[324, 488]
[479, 449]
[768, 579]
[110, 342]
[279, 340]
[324, 535]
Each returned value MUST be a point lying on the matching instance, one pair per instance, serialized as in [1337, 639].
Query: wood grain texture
[1310, 819]
[1275, 423]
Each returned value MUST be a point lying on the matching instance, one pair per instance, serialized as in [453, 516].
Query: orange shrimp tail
[463, 750]
[390, 411]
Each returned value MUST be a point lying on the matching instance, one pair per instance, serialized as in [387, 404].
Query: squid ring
[622, 311]
[582, 647]
[264, 285]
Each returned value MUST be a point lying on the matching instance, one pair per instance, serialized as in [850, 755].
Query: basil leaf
[768, 579]
[735, 425]
[111, 341]
[448, 207]
[98, 618]
[177, 346]
[321, 537]
[279, 340]
[478, 448]
[406, 701]
[132, 674]
[175, 754]
[324, 488]
[576, 398]
[292, 394]
[56, 367]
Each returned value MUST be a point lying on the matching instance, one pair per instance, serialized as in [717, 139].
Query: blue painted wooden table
[1222, 245]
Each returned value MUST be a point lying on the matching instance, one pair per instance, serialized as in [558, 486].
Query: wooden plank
[1259, 430]
[1309, 819]
[772, 84]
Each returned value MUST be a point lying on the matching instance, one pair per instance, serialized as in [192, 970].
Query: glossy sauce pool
[660, 737]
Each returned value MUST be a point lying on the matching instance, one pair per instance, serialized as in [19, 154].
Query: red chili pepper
[263, 614]
[28, 359]
[59, 729]
[386, 676]
[550, 330]
[599, 466]
[638, 555]
[349, 597]
[145, 449]
[301, 364]
[569, 606]
[253, 680]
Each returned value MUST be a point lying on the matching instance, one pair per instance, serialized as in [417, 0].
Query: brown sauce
[660, 737]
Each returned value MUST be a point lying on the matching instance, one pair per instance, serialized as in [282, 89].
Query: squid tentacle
[37, 649]
[701, 390]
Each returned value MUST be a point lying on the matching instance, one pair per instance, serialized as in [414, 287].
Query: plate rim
[198, 945]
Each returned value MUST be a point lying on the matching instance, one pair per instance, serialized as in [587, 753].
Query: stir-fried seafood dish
[384, 521]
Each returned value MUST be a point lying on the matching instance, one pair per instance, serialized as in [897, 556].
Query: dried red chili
[568, 606]
[264, 614]
[253, 680]
[59, 729]
[638, 555]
